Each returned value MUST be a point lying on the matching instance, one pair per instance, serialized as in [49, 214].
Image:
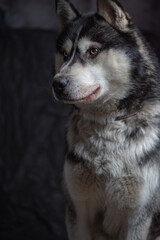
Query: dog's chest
[102, 147]
[106, 175]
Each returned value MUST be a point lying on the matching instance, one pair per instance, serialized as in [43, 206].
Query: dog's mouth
[88, 98]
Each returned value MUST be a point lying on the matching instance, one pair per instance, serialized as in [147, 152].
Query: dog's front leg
[77, 225]
[138, 231]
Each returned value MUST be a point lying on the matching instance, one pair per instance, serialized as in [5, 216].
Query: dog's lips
[92, 96]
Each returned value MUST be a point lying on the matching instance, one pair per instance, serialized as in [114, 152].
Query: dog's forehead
[89, 31]
[70, 32]
[76, 30]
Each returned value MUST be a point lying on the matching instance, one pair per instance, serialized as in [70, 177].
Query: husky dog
[106, 69]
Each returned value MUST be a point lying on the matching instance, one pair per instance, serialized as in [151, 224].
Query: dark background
[32, 124]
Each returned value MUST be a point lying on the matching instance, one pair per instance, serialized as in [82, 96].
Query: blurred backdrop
[32, 124]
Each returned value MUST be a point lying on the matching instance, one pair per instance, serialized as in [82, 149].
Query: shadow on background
[32, 124]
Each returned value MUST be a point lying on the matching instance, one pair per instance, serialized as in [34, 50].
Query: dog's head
[93, 59]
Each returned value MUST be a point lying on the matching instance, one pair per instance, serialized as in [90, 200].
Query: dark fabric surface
[32, 129]
[40, 14]
[32, 133]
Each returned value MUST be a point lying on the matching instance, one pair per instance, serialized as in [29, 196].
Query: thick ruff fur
[112, 169]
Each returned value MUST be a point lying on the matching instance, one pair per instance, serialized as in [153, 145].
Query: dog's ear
[66, 12]
[113, 13]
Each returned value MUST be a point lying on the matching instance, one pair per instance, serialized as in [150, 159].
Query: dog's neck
[101, 112]
[111, 112]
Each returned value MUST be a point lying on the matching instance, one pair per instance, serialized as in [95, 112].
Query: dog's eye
[65, 55]
[93, 52]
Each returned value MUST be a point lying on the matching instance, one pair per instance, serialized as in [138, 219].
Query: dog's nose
[59, 84]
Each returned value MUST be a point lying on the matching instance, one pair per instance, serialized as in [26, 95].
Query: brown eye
[93, 52]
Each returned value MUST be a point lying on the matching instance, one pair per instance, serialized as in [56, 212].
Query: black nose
[59, 84]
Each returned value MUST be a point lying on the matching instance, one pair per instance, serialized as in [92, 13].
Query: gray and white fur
[106, 69]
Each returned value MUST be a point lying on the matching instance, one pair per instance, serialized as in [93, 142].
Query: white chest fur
[111, 178]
